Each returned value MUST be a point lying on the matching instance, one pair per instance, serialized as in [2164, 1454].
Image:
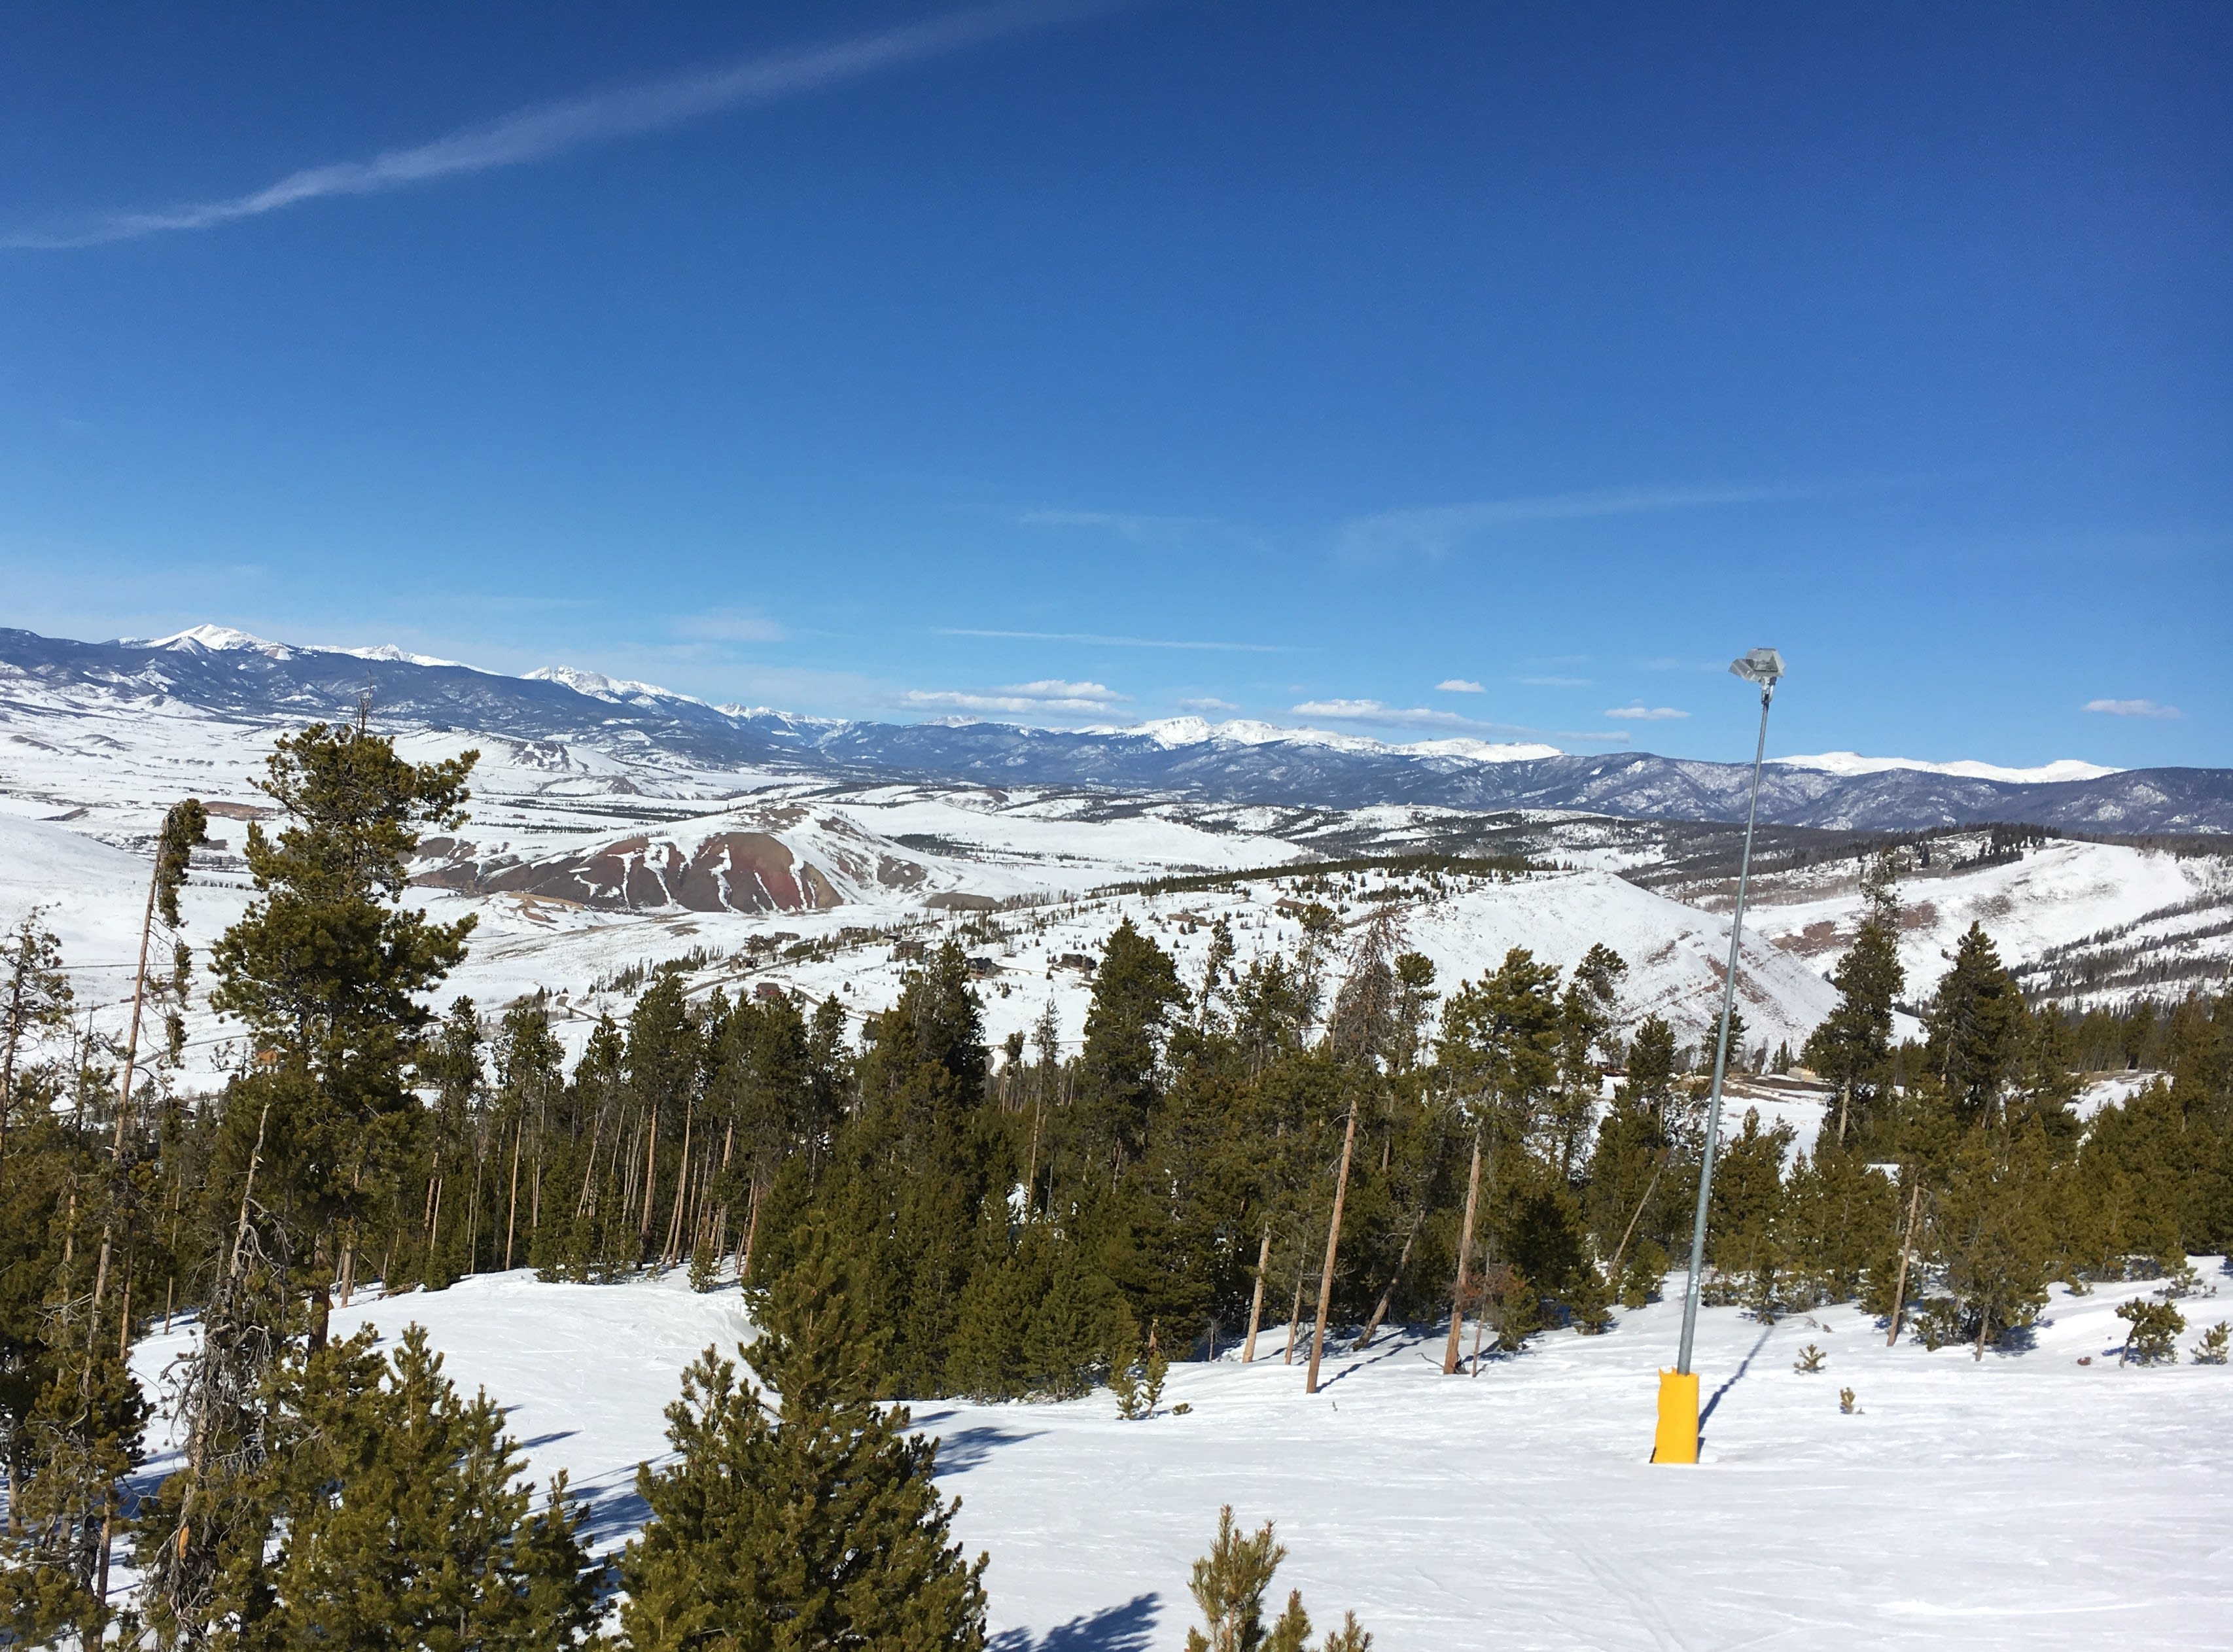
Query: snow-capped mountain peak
[597, 685]
[1172, 733]
[390, 651]
[212, 639]
[1852, 763]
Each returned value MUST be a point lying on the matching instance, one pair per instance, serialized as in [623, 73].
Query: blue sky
[1438, 370]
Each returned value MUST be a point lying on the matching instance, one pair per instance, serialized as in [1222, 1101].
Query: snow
[1852, 763]
[2025, 1501]
[215, 639]
[2059, 893]
[596, 685]
[1172, 733]
[388, 650]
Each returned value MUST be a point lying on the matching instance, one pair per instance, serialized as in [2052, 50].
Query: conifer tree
[1851, 1047]
[34, 1001]
[325, 970]
[1973, 1034]
[404, 1523]
[1229, 1584]
[83, 1437]
[1136, 992]
[820, 1527]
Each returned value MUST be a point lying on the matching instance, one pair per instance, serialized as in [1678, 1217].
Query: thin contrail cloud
[551, 129]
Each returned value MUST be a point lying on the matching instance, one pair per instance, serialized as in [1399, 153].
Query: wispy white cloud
[1048, 694]
[1379, 714]
[1458, 686]
[1436, 531]
[1556, 682]
[2132, 708]
[547, 130]
[1646, 714]
[1141, 530]
[1113, 642]
[730, 625]
[1207, 703]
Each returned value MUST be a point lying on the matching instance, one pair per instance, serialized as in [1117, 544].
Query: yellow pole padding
[1677, 1439]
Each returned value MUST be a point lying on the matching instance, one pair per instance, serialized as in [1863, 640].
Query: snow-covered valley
[586, 859]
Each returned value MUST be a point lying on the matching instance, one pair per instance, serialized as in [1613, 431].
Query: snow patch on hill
[1850, 762]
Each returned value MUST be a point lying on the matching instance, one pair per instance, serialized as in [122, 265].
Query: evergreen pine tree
[1974, 1031]
[325, 970]
[404, 1523]
[1851, 1047]
[1229, 1582]
[821, 1528]
[83, 1438]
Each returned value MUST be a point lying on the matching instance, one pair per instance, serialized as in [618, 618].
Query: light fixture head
[1761, 666]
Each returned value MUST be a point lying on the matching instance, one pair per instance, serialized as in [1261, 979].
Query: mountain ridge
[229, 675]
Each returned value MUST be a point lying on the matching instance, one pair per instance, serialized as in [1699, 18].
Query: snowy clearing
[2025, 1501]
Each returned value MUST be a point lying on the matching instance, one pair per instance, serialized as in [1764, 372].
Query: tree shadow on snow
[1395, 1346]
[1113, 1628]
[1736, 1377]
[960, 1451]
[611, 1510]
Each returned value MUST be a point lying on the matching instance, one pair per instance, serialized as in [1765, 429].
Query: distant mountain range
[229, 675]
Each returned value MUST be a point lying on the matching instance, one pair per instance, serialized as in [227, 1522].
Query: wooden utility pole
[1333, 1247]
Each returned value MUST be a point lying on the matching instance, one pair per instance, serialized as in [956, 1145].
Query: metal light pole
[1677, 1439]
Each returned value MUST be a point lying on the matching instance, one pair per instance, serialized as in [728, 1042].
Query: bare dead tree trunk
[1628, 1233]
[1388, 1291]
[1465, 1261]
[1295, 1311]
[512, 1213]
[1906, 1249]
[681, 1189]
[751, 1236]
[1255, 1298]
[124, 1093]
[650, 1181]
[1333, 1247]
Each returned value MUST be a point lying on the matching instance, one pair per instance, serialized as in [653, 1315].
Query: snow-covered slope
[2042, 911]
[2025, 1502]
[1854, 763]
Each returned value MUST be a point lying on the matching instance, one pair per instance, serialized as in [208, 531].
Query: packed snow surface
[2026, 1501]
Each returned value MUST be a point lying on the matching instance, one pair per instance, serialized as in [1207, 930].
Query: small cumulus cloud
[2131, 708]
[1378, 713]
[730, 625]
[1646, 714]
[1045, 695]
[1373, 711]
[1459, 686]
[1209, 703]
